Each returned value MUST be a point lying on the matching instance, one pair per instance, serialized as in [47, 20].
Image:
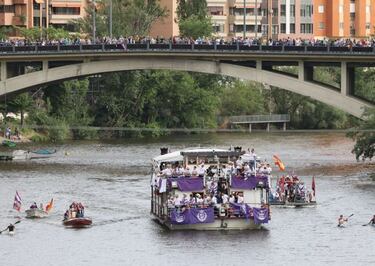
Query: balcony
[20, 2]
[19, 20]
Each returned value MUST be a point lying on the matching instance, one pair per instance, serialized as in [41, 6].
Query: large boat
[202, 189]
[291, 192]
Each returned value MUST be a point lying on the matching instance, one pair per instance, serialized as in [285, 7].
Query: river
[112, 180]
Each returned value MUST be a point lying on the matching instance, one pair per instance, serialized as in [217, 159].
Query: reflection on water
[112, 180]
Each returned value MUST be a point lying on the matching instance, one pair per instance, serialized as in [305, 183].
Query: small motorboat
[9, 143]
[36, 213]
[78, 222]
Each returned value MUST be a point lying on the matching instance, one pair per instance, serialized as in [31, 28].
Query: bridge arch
[315, 91]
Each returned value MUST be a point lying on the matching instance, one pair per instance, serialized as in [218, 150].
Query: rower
[342, 220]
[372, 221]
[11, 228]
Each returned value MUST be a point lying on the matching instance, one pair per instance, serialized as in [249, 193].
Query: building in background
[168, 26]
[41, 13]
[290, 19]
[344, 18]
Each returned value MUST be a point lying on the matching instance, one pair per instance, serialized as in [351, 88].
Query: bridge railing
[246, 119]
[162, 47]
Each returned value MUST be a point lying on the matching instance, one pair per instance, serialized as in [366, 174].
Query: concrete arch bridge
[32, 66]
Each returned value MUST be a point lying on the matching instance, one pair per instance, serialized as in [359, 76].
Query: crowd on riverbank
[343, 42]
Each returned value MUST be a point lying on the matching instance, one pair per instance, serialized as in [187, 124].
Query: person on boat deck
[342, 220]
[66, 215]
[194, 172]
[187, 172]
[199, 199]
[232, 198]
[239, 164]
[34, 206]
[177, 201]
[167, 172]
[201, 170]
[179, 170]
[372, 221]
[253, 159]
[225, 198]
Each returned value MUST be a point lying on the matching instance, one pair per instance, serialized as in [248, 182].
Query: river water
[112, 180]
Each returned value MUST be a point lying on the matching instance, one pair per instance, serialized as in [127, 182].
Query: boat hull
[217, 225]
[293, 204]
[36, 213]
[77, 222]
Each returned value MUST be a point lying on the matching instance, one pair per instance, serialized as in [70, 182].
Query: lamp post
[256, 19]
[270, 19]
[244, 19]
[110, 18]
[94, 22]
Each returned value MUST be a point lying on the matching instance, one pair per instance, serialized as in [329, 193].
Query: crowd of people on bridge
[248, 41]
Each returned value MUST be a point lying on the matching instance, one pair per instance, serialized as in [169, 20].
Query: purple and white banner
[241, 209]
[193, 216]
[249, 182]
[261, 215]
[189, 184]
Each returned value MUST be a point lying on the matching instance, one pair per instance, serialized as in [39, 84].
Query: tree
[240, 98]
[193, 20]
[130, 17]
[364, 135]
[194, 27]
[21, 103]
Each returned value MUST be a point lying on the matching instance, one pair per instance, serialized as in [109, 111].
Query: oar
[7, 227]
[339, 225]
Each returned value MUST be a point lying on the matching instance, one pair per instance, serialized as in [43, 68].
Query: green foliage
[21, 104]
[130, 17]
[240, 98]
[4, 32]
[52, 33]
[328, 75]
[364, 135]
[189, 8]
[365, 83]
[194, 27]
[193, 20]
[31, 34]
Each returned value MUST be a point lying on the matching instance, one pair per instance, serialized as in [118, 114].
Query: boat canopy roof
[178, 156]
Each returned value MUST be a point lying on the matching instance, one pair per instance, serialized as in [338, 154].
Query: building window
[292, 28]
[6, 8]
[309, 9]
[66, 10]
[368, 26]
[341, 25]
[215, 10]
[302, 28]
[218, 28]
[282, 10]
[303, 11]
[321, 26]
[282, 28]
[321, 9]
[292, 10]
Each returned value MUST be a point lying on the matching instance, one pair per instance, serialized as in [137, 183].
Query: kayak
[44, 151]
[9, 143]
[78, 222]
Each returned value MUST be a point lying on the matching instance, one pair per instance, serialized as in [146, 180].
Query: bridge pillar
[268, 127]
[284, 126]
[250, 127]
[4, 72]
[347, 79]
[45, 65]
[259, 64]
[301, 70]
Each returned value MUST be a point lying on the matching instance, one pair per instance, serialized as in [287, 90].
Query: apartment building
[167, 26]
[45, 13]
[344, 18]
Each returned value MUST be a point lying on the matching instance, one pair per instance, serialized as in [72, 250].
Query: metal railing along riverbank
[170, 47]
[246, 119]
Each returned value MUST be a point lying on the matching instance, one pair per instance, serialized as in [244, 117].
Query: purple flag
[248, 183]
[189, 183]
[193, 216]
[241, 209]
[261, 215]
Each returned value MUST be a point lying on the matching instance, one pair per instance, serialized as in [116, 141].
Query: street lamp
[110, 18]
[270, 19]
[94, 22]
[244, 19]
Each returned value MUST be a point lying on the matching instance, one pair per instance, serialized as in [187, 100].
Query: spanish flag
[49, 205]
[278, 162]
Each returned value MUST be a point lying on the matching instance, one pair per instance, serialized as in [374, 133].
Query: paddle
[341, 225]
[7, 227]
